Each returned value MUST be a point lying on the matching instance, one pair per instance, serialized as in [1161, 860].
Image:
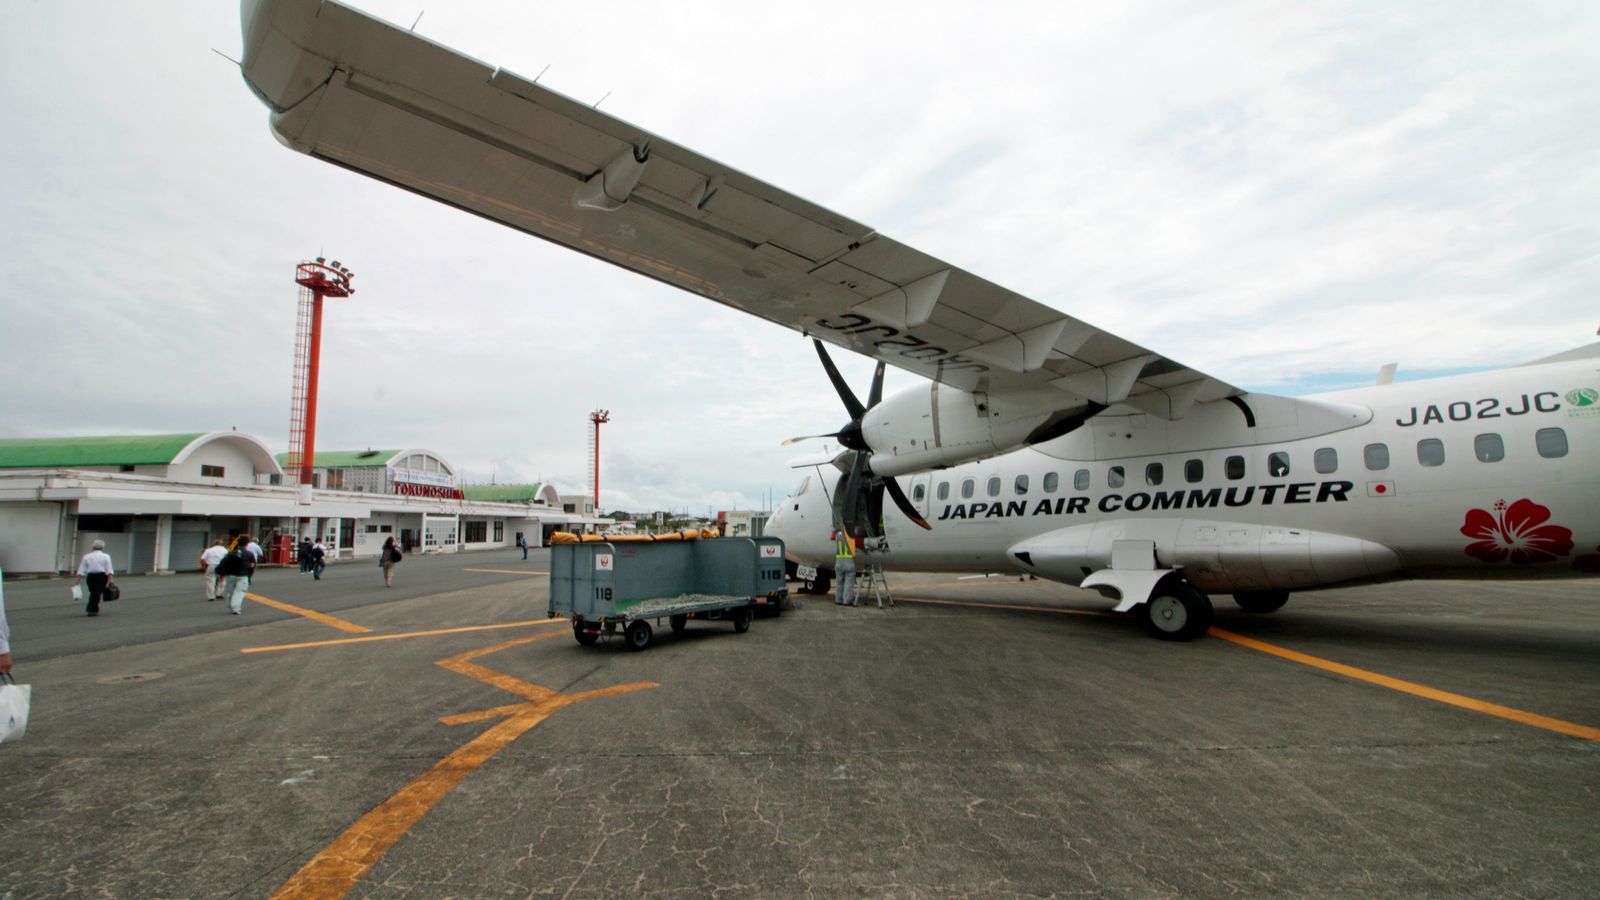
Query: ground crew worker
[844, 566]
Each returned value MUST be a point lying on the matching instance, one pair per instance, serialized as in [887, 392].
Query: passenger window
[944, 490]
[1278, 464]
[966, 488]
[1430, 452]
[1194, 470]
[1233, 467]
[994, 486]
[1489, 447]
[1080, 480]
[1021, 485]
[1326, 461]
[1052, 481]
[917, 492]
[1153, 474]
[1376, 456]
[1552, 442]
[1115, 477]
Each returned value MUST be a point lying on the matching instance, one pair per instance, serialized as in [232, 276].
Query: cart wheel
[680, 622]
[584, 637]
[638, 635]
[741, 619]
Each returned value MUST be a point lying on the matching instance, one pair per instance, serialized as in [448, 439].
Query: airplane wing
[367, 95]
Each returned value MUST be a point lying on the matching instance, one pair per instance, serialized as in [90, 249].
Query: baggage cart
[607, 588]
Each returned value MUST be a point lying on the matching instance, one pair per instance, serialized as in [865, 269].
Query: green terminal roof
[345, 459]
[503, 493]
[103, 450]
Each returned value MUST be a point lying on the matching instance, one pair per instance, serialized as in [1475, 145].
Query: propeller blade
[876, 394]
[851, 404]
[807, 437]
[852, 491]
[904, 502]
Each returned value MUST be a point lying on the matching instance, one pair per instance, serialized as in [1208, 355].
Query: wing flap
[380, 100]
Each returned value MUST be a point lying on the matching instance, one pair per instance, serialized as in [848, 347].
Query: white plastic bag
[14, 702]
[77, 593]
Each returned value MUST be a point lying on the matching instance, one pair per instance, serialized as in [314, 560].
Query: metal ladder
[878, 583]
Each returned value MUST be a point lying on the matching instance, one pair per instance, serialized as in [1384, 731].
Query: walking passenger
[237, 567]
[389, 556]
[208, 564]
[305, 555]
[96, 568]
[319, 560]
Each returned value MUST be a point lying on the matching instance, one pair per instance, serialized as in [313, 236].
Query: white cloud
[1274, 194]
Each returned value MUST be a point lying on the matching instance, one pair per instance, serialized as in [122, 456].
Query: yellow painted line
[313, 615]
[1524, 717]
[334, 871]
[507, 571]
[1417, 690]
[395, 637]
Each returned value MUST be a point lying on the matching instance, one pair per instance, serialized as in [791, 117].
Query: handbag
[77, 593]
[14, 702]
[113, 592]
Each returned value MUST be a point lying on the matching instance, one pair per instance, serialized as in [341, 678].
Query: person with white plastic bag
[96, 568]
[14, 698]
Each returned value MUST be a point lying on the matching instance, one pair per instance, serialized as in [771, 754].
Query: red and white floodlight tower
[317, 280]
[598, 417]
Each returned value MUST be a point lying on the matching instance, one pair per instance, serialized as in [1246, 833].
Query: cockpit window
[804, 483]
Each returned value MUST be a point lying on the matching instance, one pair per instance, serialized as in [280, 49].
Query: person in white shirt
[319, 560]
[5, 632]
[208, 564]
[96, 568]
[254, 548]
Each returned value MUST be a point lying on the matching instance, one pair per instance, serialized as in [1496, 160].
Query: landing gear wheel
[638, 635]
[679, 622]
[585, 638]
[818, 585]
[1177, 612]
[1261, 601]
[741, 619]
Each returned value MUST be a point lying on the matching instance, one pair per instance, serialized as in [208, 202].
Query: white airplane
[1040, 444]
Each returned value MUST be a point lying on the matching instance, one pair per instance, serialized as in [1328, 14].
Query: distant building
[743, 522]
[158, 500]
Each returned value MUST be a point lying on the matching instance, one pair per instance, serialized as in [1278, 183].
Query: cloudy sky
[1286, 196]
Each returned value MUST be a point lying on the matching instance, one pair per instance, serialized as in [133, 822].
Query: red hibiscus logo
[1517, 531]
[1589, 562]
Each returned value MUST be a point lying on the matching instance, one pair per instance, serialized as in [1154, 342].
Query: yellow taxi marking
[1416, 690]
[507, 571]
[395, 637]
[313, 615]
[337, 868]
[1408, 687]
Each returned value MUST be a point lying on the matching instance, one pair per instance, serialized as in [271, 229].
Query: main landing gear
[1261, 601]
[1177, 611]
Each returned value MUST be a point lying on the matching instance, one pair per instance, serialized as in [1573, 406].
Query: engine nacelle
[937, 425]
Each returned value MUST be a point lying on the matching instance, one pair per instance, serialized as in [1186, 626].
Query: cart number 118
[603, 593]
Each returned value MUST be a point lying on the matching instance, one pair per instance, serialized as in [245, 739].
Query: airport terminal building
[158, 500]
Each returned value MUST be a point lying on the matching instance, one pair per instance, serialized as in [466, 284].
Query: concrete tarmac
[983, 738]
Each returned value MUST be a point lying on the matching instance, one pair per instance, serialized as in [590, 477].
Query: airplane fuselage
[1483, 475]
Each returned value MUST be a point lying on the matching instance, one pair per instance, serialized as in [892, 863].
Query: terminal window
[210, 471]
[476, 532]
